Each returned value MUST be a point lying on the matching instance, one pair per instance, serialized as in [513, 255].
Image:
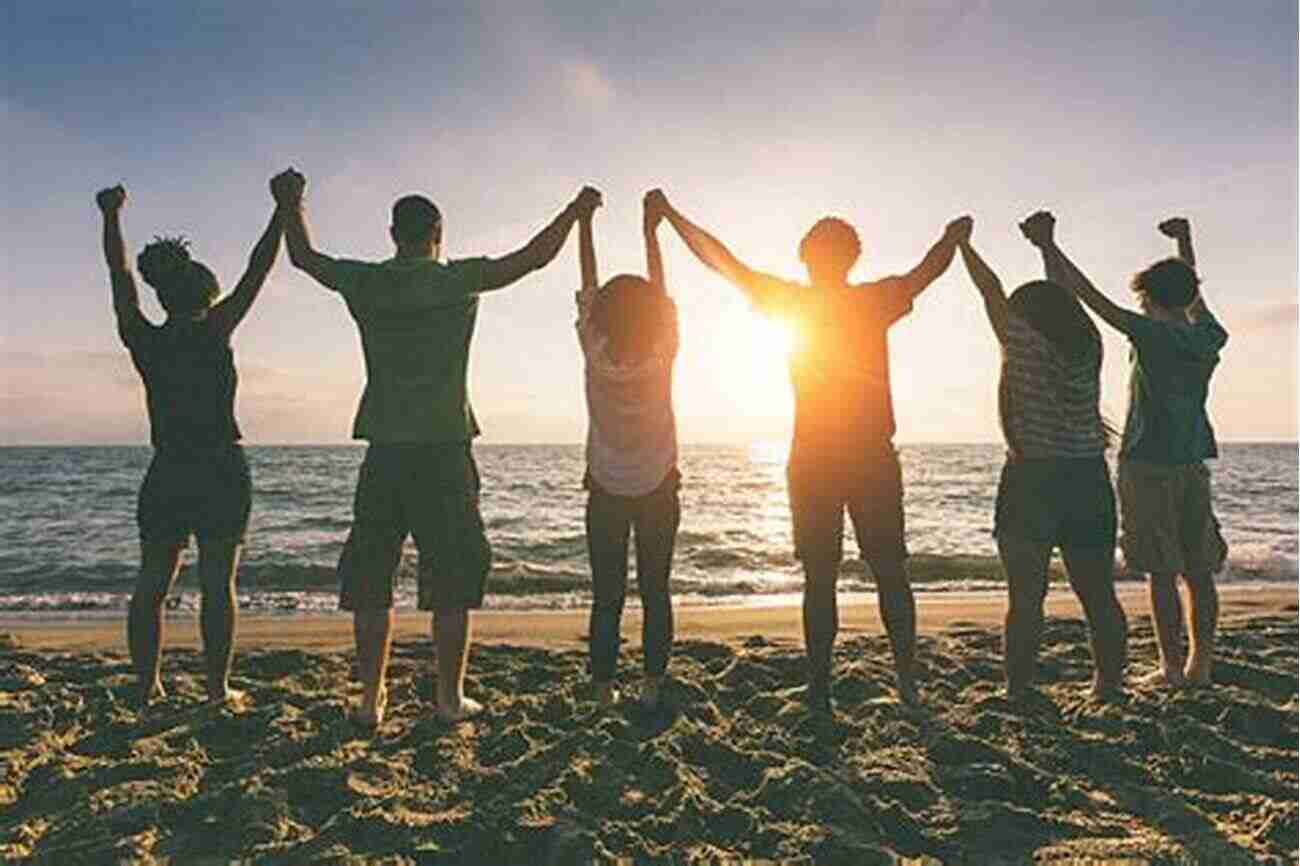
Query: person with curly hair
[1167, 522]
[198, 483]
[842, 455]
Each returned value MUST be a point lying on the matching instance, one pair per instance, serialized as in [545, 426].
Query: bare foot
[604, 694]
[651, 692]
[1104, 692]
[369, 712]
[1162, 678]
[233, 698]
[907, 692]
[1197, 673]
[152, 694]
[464, 709]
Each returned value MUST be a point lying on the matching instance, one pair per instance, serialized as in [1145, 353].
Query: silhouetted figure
[1055, 489]
[416, 316]
[842, 454]
[198, 482]
[628, 333]
[1168, 523]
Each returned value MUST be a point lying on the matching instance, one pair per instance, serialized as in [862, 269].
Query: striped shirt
[1048, 404]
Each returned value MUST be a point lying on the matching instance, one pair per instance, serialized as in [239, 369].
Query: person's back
[188, 370]
[1169, 383]
[839, 364]
[416, 318]
[198, 483]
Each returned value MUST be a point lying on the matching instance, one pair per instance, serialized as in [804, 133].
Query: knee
[1160, 580]
[1027, 595]
[149, 596]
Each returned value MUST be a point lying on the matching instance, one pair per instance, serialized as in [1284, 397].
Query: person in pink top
[628, 332]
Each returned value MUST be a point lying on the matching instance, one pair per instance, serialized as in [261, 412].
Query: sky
[757, 118]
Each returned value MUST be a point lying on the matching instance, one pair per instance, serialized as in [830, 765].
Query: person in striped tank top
[1055, 489]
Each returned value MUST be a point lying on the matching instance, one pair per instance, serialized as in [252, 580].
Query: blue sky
[757, 118]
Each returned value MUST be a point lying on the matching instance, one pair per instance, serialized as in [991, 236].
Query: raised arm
[652, 213]
[287, 187]
[1039, 230]
[937, 259]
[231, 311]
[126, 298]
[1180, 230]
[990, 287]
[587, 252]
[545, 245]
[713, 253]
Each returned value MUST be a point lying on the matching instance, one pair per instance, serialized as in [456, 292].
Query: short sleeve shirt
[189, 378]
[1169, 382]
[839, 364]
[416, 318]
[1049, 404]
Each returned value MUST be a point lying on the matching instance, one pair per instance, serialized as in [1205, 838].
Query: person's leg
[1202, 622]
[876, 511]
[820, 625]
[442, 498]
[159, 563]
[1091, 573]
[817, 511]
[1204, 552]
[218, 561]
[1167, 617]
[608, 526]
[656, 535]
[366, 570]
[372, 630]
[451, 633]
[1025, 563]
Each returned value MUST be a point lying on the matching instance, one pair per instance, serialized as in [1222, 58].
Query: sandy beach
[734, 771]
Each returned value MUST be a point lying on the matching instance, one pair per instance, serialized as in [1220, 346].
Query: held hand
[287, 187]
[1177, 228]
[1038, 228]
[654, 209]
[111, 199]
[958, 231]
[586, 202]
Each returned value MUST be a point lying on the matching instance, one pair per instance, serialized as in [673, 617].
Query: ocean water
[68, 536]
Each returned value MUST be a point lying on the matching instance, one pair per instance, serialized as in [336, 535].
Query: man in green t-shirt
[416, 316]
[1168, 527]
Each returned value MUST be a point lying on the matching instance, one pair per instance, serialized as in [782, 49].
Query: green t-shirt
[1168, 386]
[416, 318]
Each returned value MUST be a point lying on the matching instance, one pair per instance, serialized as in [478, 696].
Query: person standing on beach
[842, 454]
[1055, 488]
[628, 333]
[416, 316]
[1168, 527]
[198, 482]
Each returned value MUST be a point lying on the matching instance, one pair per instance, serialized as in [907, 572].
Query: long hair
[184, 286]
[633, 315]
[1055, 313]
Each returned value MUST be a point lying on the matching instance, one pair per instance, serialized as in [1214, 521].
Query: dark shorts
[1062, 503]
[869, 487]
[430, 491]
[205, 493]
[1168, 519]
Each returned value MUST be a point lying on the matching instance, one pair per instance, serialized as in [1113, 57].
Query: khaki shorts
[1167, 523]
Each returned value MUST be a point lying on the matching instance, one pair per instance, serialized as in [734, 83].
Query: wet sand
[734, 770]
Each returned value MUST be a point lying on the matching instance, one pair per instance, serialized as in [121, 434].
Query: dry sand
[737, 770]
